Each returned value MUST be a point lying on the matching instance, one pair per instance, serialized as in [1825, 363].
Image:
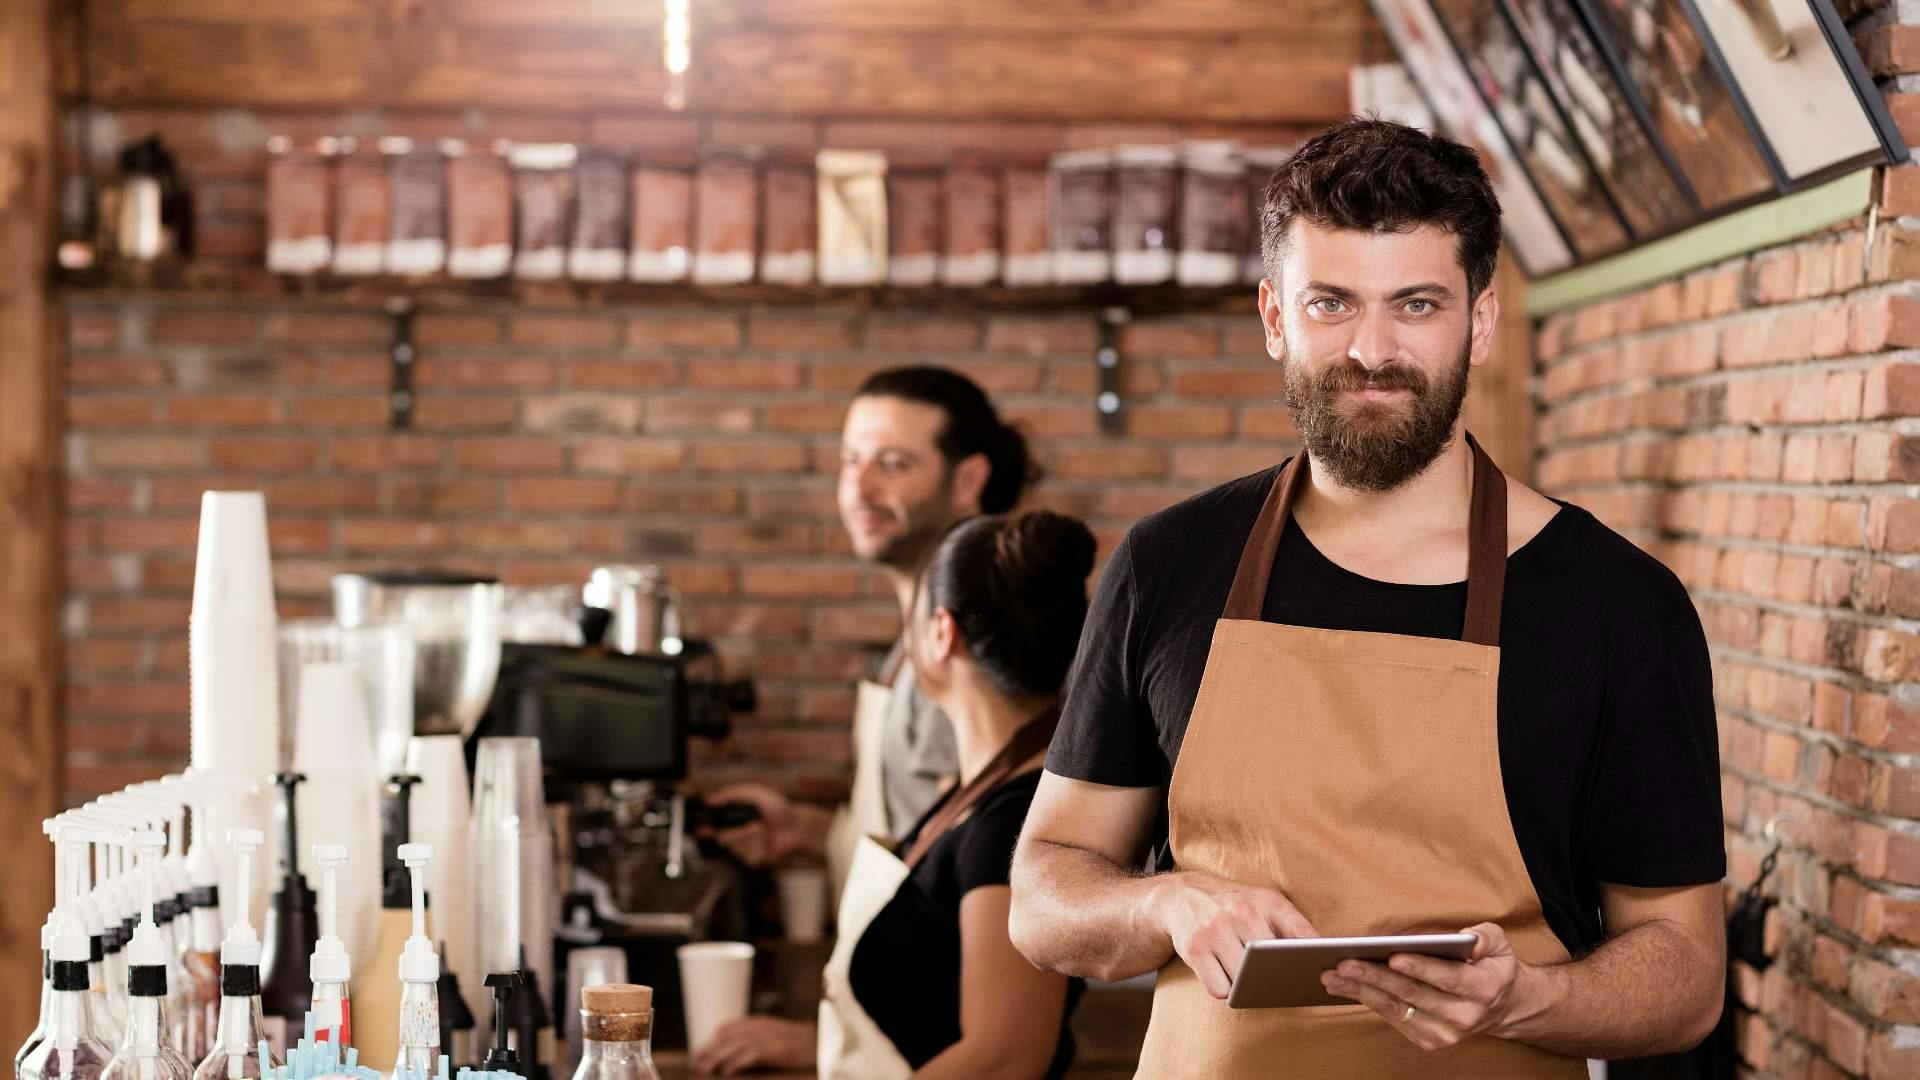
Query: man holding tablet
[1287, 678]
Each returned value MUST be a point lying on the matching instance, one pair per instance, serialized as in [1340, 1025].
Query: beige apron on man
[866, 811]
[1368, 790]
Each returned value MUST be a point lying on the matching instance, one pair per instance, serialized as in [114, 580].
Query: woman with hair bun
[924, 980]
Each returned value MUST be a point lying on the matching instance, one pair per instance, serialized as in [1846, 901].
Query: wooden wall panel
[1244, 61]
[29, 526]
[1499, 409]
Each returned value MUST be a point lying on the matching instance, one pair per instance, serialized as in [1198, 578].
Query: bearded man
[1381, 688]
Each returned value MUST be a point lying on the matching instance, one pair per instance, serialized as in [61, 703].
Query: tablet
[1279, 973]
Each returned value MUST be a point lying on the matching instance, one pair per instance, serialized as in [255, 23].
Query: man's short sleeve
[1655, 819]
[1106, 733]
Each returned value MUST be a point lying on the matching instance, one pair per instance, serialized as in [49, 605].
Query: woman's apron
[865, 813]
[851, 1045]
[1359, 774]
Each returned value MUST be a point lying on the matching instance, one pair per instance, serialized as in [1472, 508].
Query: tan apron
[866, 811]
[850, 1045]
[1359, 774]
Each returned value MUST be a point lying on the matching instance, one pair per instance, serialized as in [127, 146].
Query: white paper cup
[715, 979]
[803, 903]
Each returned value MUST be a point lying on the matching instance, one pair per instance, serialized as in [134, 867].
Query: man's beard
[926, 523]
[1375, 445]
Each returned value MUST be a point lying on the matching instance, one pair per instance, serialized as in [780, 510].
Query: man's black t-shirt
[1607, 734]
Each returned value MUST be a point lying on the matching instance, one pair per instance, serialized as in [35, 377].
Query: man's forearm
[1078, 913]
[1652, 990]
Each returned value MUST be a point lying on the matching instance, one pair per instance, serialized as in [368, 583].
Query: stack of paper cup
[439, 814]
[340, 802]
[510, 859]
[235, 713]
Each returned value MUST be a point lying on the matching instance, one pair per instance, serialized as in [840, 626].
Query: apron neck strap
[1031, 739]
[1486, 546]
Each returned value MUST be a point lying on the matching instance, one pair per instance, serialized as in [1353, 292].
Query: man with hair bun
[1382, 689]
[921, 449]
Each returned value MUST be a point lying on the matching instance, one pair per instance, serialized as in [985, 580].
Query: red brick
[749, 456]
[509, 455]
[222, 411]
[610, 413]
[1260, 383]
[1891, 656]
[522, 373]
[334, 413]
[329, 328]
[436, 331]
[93, 329]
[429, 495]
[196, 327]
[766, 330]
[109, 412]
[1180, 421]
[704, 497]
[1138, 378]
[439, 412]
[380, 536]
[756, 538]
[1892, 390]
[1889, 321]
[727, 373]
[517, 537]
[1894, 525]
[1051, 421]
[629, 455]
[137, 614]
[794, 500]
[564, 331]
[1217, 463]
[144, 452]
[805, 417]
[800, 580]
[1872, 457]
[97, 493]
[842, 377]
[110, 657]
[1001, 377]
[622, 374]
[354, 372]
[1884, 991]
[685, 330]
[118, 371]
[1832, 329]
[575, 493]
[1113, 461]
[923, 333]
[298, 536]
[1042, 335]
[1170, 339]
[264, 452]
[875, 623]
[382, 453]
[1773, 275]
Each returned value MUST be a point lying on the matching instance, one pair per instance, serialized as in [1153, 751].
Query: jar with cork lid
[616, 1027]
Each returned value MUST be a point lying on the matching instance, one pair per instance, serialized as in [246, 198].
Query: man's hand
[763, 1042]
[784, 826]
[1452, 1000]
[1210, 920]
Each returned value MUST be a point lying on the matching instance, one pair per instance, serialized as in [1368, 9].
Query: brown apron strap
[1486, 547]
[1031, 739]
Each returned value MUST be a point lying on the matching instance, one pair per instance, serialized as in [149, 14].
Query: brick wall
[550, 441]
[1754, 425]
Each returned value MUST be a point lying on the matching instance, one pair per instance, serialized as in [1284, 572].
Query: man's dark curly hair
[1377, 175]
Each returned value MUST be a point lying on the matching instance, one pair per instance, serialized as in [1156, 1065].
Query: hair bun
[1041, 548]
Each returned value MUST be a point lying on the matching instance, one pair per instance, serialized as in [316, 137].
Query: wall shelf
[181, 281]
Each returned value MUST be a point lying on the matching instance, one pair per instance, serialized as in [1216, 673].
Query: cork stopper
[616, 1012]
[616, 998]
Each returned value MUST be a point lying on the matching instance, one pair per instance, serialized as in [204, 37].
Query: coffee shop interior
[421, 424]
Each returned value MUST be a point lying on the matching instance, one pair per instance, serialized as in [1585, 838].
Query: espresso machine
[615, 715]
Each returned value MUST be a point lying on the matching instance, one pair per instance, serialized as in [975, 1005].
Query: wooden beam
[29, 525]
[990, 59]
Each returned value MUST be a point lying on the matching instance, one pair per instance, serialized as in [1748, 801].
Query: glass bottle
[70, 1049]
[39, 1031]
[236, 1039]
[616, 1028]
[147, 1050]
[419, 1031]
[202, 966]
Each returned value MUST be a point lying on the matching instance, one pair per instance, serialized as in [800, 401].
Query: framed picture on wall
[1604, 116]
[1517, 96]
[1623, 121]
[1660, 53]
[1536, 237]
[1786, 57]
